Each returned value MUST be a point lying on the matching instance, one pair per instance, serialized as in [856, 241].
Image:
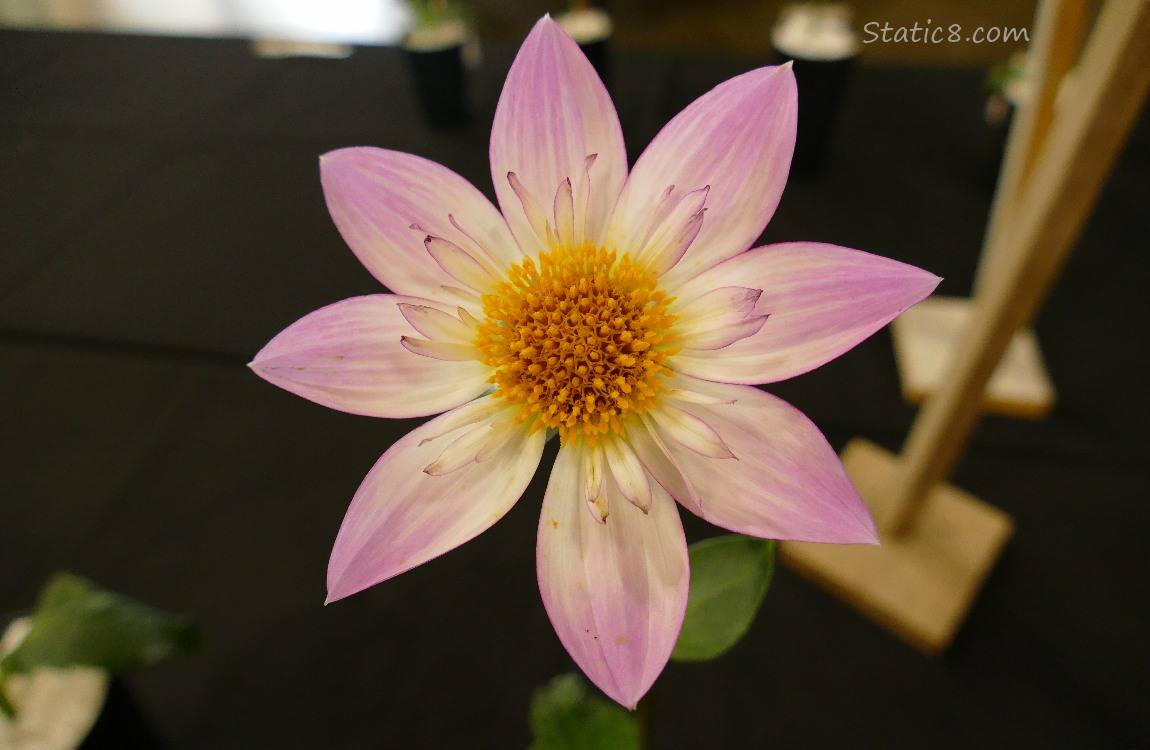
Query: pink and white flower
[621, 311]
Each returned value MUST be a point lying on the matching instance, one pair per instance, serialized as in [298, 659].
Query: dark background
[161, 218]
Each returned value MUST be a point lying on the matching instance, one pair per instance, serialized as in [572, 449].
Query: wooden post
[1068, 177]
[1056, 45]
[927, 336]
[938, 542]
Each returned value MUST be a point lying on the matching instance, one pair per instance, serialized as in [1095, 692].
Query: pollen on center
[578, 338]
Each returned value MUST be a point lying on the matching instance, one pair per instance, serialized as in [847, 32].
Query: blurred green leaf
[78, 624]
[729, 578]
[565, 716]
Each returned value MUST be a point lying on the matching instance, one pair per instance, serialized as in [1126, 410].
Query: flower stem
[7, 708]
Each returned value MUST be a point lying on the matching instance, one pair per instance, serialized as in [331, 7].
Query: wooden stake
[1068, 176]
[927, 336]
[938, 544]
[1057, 37]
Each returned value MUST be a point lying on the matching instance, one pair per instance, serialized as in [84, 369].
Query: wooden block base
[920, 584]
[925, 339]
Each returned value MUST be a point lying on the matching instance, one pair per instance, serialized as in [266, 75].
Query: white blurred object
[340, 21]
[816, 32]
[586, 25]
[57, 707]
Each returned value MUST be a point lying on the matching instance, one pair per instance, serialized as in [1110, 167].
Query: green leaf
[564, 716]
[729, 578]
[78, 624]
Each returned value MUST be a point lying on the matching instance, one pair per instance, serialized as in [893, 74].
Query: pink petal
[821, 300]
[402, 517]
[349, 356]
[787, 482]
[386, 203]
[738, 139]
[616, 593]
[554, 113]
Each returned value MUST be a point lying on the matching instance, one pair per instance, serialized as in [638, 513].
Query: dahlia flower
[620, 311]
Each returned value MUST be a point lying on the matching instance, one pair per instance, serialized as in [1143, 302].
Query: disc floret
[578, 338]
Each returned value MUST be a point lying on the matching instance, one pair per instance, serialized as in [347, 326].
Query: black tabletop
[161, 218]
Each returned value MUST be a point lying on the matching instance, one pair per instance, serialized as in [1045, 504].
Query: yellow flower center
[579, 340]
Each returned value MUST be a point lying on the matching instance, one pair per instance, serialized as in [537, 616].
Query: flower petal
[719, 318]
[349, 356]
[616, 593]
[447, 351]
[628, 472]
[787, 482]
[595, 484]
[459, 264]
[554, 112]
[674, 226]
[438, 325]
[643, 437]
[463, 450]
[689, 431]
[821, 300]
[386, 203]
[738, 139]
[401, 517]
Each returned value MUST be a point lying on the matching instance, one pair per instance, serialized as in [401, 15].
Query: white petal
[532, 212]
[437, 324]
[462, 451]
[674, 227]
[459, 264]
[478, 410]
[594, 481]
[565, 213]
[690, 431]
[448, 351]
[628, 472]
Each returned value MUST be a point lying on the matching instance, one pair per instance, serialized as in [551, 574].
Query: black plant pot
[818, 38]
[822, 85]
[597, 54]
[440, 84]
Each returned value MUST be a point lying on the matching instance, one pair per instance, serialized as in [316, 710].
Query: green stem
[6, 706]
